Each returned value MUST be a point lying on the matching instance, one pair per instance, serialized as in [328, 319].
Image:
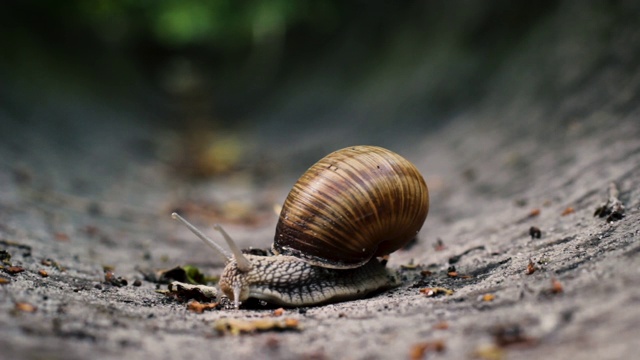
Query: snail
[347, 210]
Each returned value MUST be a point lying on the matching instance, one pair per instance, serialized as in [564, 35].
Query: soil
[540, 149]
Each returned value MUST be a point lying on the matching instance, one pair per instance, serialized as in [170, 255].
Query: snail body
[287, 281]
[351, 207]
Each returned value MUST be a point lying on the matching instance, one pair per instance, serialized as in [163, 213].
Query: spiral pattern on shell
[352, 205]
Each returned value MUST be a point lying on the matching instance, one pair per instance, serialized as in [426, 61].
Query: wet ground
[78, 197]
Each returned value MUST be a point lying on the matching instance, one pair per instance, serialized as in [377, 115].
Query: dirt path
[77, 197]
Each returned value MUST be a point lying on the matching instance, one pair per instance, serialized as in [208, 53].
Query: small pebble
[535, 232]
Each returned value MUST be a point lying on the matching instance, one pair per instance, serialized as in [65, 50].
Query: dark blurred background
[241, 82]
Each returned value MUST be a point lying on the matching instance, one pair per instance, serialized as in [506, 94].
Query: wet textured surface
[557, 123]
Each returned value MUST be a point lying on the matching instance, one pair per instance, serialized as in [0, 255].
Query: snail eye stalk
[244, 264]
[207, 240]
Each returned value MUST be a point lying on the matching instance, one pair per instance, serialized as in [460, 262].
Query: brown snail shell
[352, 205]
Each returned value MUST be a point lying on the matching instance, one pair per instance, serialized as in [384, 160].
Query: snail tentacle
[244, 264]
[207, 240]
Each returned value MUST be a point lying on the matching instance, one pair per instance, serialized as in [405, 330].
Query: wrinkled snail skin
[286, 281]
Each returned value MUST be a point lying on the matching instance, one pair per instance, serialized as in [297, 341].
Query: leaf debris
[184, 292]
[612, 209]
[534, 213]
[278, 312]
[488, 297]
[531, 267]
[198, 307]
[556, 286]
[419, 350]
[184, 274]
[508, 335]
[568, 210]
[237, 326]
[442, 325]
[50, 262]
[13, 270]
[435, 291]
[25, 307]
[5, 257]
[489, 352]
[111, 278]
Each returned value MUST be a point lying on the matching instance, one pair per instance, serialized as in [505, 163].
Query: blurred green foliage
[81, 44]
[227, 59]
[176, 23]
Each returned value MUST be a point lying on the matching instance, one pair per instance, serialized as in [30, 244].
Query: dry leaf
[61, 236]
[431, 292]
[278, 312]
[418, 351]
[488, 297]
[49, 262]
[199, 308]
[568, 210]
[410, 265]
[531, 267]
[237, 326]
[613, 209]
[111, 278]
[14, 270]
[25, 307]
[184, 274]
[556, 286]
[186, 292]
[511, 335]
[5, 257]
[442, 325]
[489, 352]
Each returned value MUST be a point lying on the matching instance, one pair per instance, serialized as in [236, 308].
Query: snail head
[241, 265]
